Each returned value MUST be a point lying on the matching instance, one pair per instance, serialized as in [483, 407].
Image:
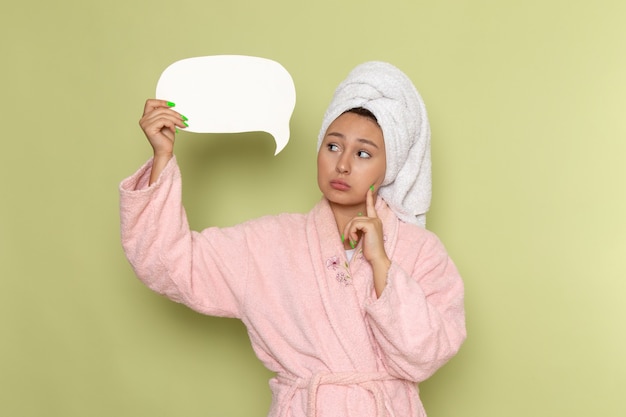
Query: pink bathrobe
[312, 317]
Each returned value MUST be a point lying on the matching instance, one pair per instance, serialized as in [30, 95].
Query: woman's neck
[343, 215]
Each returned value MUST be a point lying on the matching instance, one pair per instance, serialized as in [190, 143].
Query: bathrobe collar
[345, 287]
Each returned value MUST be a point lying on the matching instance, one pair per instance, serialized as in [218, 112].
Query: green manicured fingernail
[352, 244]
[176, 130]
[184, 118]
[342, 238]
[185, 123]
[170, 104]
[372, 187]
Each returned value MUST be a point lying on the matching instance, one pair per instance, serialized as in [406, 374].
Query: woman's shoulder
[278, 223]
[417, 236]
[415, 231]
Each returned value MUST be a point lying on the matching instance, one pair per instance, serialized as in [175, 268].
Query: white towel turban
[390, 95]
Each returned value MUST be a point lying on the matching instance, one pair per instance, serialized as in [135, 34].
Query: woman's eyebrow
[337, 134]
[368, 142]
[361, 140]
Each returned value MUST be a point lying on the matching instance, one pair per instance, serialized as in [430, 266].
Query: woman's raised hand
[370, 227]
[159, 123]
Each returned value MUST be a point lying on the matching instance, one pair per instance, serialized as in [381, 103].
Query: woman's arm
[207, 270]
[419, 320]
[204, 270]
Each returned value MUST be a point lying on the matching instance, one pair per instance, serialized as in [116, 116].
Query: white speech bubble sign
[231, 94]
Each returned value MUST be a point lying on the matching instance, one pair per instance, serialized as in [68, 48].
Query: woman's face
[351, 159]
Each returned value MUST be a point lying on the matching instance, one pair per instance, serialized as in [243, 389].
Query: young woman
[351, 304]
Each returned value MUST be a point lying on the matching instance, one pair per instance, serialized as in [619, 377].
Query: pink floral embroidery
[342, 277]
[332, 263]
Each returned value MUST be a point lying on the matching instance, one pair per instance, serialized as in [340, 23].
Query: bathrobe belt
[367, 380]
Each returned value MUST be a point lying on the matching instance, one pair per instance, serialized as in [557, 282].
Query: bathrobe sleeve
[206, 271]
[419, 321]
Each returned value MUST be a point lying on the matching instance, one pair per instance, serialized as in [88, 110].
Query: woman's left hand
[370, 227]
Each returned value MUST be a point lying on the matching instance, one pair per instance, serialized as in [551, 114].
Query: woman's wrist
[159, 162]
[163, 156]
[380, 270]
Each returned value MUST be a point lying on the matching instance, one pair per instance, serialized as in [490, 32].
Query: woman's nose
[343, 165]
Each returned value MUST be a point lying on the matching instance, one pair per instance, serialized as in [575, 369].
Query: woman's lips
[339, 185]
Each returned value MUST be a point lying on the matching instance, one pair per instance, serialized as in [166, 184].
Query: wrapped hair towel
[390, 95]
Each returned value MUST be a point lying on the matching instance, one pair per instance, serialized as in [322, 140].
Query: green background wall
[527, 102]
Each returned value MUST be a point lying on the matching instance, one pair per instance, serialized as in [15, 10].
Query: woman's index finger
[369, 203]
[154, 103]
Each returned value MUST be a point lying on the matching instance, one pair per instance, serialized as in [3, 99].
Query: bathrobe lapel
[345, 287]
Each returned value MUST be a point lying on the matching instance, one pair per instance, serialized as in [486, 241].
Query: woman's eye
[333, 147]
[363, 154]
